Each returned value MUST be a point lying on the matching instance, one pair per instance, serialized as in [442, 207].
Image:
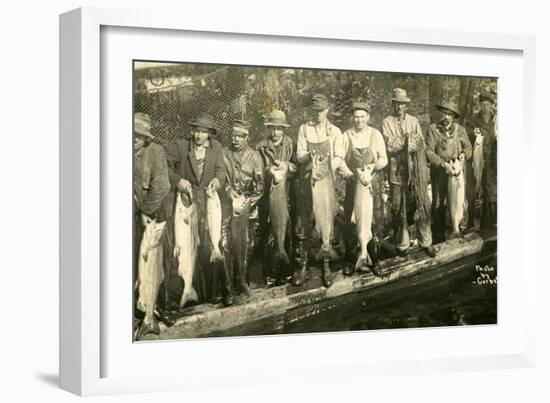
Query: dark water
[466, 296]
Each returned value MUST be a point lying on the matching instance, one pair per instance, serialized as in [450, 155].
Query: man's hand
[184, 186]
[448, 168]
[146, 219]
[462, 156]
[213, 187]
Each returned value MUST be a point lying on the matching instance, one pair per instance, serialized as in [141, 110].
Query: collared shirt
[311, 133]
[200, 154]
[367, 137]
[284, 151]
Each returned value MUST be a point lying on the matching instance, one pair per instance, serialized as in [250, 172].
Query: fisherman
[448, 148]
[199, 173]
[409, 176]
[315, 147]
[363, 149]
[244, 188]
[151, 186]
[277, 152]
[485, 135]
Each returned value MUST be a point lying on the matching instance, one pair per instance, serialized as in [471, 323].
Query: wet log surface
[400, 299]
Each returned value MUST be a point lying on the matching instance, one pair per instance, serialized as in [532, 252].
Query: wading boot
[373, 247]
[430, 251]
[301, 273]
[327, 274]
[227, 279]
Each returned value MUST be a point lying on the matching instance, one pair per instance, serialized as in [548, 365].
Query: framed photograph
[289, 201]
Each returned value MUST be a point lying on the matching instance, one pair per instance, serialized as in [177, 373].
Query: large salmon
[278, 213]
[150, 269]
[214, 218]
[240, 239]
[456, 196]
[323, 197]
[478, 163]
[362, 216]
[186, 243]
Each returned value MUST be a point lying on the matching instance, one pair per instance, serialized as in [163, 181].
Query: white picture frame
[83, 189]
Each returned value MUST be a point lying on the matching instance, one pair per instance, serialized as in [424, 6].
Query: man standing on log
[315, 156]
[200, 171]
[278, 153]
[365, 154]
[245, 187]
[448, 149]
[151, 186]
[409, 175]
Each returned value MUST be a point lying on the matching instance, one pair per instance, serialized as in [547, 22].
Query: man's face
[318, 116]
[276, 134]
[360, 118]
[486, 107]
[238, 140]
[399, 108]
[448, 117]
[200, 135]
[139, 142]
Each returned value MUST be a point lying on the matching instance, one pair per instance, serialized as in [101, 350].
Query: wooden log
[272, 310]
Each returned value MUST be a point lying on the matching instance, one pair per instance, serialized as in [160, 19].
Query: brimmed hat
[318, 102]
[448, 106]
[276, 118]
[240, 126]
[487, 96]
[203, 119]
[360, 105]
[142, 124]
[400, 95]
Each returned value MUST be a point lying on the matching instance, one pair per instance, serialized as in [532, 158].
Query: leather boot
[226, 281]
[373, 248]
[327, 273]
[301, 273]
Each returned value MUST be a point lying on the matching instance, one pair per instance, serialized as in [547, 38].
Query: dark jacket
[151, 184]
[444, 148]
[186, 165]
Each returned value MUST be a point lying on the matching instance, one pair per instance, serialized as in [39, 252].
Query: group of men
[286, 188]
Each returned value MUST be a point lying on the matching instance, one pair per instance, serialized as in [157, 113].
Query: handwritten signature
[486, 275]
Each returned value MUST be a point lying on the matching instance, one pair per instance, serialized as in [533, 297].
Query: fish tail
[193, 296]
[361, 262]
[326, 253]
[177, 250]
[216, 255]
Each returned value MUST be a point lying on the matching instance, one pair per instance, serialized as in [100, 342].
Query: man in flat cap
[485, 166]
[316, 139]
[363, 149]
[277, 151]
[200, 172]
[245, 186]
[409, 175]
[448, 149]
[151, 186]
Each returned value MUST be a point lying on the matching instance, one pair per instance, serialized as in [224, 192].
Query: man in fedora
[447, 142]
[484, 135]
[244, 188]
[408, 175]
[277, 151]
[151, 186]
[316, 136]
[365, 155]
[200, 171]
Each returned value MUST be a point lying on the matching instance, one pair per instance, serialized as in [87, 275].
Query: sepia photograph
[281, 200]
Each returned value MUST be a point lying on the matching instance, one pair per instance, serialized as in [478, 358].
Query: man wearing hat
[151, 186]
[277, 152]
[409, 175]
[447, 141]
[364, 152]
[200, 171]
[245, 186]
[484, 135]
[316, 136]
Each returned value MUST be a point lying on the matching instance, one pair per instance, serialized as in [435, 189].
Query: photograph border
[81, 173]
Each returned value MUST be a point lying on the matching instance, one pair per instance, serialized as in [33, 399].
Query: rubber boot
[373, 247]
